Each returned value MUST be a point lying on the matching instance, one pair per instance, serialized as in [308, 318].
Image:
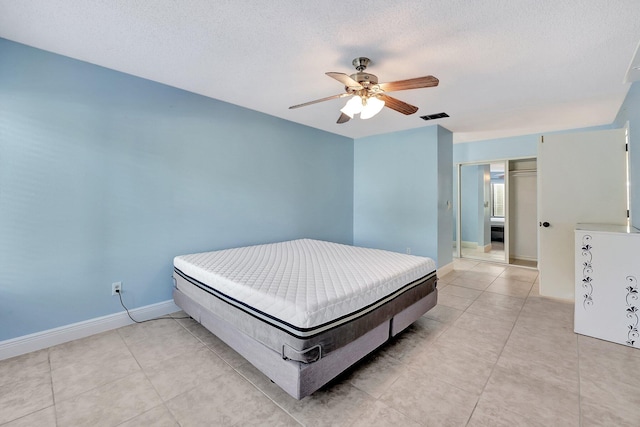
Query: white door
[581, 179]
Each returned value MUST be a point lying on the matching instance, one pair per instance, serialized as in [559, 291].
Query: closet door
[581, 179]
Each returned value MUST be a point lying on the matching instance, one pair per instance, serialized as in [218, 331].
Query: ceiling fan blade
[417, 83]
[396, 104]
[342, 95]
[343, 118]
[345, 80]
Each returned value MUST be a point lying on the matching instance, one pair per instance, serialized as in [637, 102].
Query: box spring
[304, 349]
[296, 378]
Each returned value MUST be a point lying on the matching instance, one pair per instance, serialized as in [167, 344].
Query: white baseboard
[485, 248]
[445, 269]
[39, 340]
[469, 245]
[524, 258]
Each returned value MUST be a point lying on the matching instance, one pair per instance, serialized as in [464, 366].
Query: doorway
[495, 213]
[523, 213]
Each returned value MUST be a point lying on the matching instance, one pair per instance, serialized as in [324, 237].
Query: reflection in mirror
[482, 211]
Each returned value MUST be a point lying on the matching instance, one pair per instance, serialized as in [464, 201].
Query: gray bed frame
[296, 378]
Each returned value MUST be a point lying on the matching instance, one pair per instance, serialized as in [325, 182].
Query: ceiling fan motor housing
[361, 63]
[365, 79]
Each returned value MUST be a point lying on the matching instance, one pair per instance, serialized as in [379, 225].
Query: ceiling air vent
[434, 116]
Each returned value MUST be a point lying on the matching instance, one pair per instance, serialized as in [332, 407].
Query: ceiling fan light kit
[352, 107]
[371, 107]
[368, 97]
[366, 107]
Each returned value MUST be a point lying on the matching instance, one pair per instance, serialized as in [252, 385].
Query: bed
[303, 311]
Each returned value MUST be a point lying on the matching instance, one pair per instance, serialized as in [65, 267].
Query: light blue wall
[445, 191]
[513, 147]
[106, 177]
[496, 149]
[470, 193]
[396, 198]
[630, 112]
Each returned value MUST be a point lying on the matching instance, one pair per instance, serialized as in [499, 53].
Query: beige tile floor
[491, 353]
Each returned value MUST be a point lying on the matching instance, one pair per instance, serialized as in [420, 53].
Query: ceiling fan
[369, 96]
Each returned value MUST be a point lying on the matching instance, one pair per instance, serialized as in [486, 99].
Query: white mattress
[305, 283]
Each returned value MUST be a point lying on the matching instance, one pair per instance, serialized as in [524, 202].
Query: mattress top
[305, 282]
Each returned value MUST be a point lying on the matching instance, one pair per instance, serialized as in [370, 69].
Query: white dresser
[607, 274]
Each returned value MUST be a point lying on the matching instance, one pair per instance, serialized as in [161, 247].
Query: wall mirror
[481, 230]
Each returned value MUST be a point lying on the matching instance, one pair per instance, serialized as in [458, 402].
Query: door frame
[458, 224]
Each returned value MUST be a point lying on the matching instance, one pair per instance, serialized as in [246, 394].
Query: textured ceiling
[505, 67]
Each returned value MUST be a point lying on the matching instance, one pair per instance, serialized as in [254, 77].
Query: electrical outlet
[408, 251]
[116, 288]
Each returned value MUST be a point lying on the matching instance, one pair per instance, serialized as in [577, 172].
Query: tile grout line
[266, 395]
[53, 401]
[236, 371]
[145, 375]
[53, 395]
[579, 382]
[499, 355]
